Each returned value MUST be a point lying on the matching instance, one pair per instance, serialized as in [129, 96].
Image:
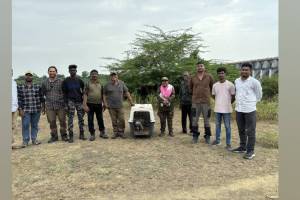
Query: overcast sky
[63, 32]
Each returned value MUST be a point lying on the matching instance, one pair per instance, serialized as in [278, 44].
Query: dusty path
[156, 168]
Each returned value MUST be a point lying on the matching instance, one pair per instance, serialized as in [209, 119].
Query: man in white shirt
[223, 92]
[248, 93]
[14, 109]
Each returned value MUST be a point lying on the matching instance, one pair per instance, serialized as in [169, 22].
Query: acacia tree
[158, 53]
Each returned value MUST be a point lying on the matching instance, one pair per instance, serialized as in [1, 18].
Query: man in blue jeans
[223, 92]
[31, 102]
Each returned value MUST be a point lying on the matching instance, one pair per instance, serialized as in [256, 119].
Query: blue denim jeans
[30, 122]
[226, 117]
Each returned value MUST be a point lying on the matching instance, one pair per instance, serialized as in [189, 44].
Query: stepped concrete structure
[265, 67]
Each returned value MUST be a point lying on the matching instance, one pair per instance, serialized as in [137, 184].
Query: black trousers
[186, 111]
[95, 109]
[246, 123]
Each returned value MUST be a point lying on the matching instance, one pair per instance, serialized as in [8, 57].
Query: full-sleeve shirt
[30, 98]
[248, 93]
[14, 96]
[52, 90]
[73, 89]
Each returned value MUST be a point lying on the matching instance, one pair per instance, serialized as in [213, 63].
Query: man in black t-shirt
[73, 88]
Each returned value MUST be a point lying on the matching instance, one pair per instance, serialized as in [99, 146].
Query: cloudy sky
[63, 32]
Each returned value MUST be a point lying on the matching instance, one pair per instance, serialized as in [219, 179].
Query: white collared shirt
[14, 97]
[248, 93]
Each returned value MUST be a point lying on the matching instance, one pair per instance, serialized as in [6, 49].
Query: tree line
[156, 53]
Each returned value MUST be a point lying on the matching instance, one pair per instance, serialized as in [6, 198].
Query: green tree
[157, 53]
[35, 79]
[270, 87]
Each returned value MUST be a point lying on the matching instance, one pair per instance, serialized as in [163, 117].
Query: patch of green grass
[268, 139]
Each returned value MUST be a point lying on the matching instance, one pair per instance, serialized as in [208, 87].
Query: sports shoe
[24, 144]
[122, 135]
[239, 150]
[92, 137]
[36, 142]
[207, 139]
[115, 135]
[171, 134]
[216, 143]
[249, 155]
[103, 135]
[161, 134]
[65, 138]
[228, 147]
[53, 139]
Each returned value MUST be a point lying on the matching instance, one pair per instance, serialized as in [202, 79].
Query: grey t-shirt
[115, 94]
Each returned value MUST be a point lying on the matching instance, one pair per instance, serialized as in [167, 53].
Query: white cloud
[65, 31]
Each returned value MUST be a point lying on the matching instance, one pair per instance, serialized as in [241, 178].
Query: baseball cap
[113, 73]
[164, 78]
[186, 74]
[28, 72]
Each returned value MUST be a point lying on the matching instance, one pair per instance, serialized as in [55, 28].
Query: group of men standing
[195, 95]
[60, 98]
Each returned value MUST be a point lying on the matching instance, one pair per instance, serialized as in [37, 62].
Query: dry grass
[156, 168]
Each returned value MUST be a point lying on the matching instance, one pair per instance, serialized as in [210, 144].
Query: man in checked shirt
[31, 102]
[55, 105]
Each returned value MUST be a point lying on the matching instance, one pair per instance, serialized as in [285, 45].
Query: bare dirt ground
[143, 168]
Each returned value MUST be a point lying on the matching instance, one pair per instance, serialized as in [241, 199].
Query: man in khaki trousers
[113, 94]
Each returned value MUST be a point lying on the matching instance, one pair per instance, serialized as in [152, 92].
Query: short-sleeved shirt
[115, 93]
[93, 92]
[223, 93]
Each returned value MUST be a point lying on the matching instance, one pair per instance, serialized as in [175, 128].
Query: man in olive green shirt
[92, 103]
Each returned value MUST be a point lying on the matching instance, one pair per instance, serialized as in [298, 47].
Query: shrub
[269, 87]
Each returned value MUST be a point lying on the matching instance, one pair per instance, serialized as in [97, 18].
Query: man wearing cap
[185, 102]
[73, 88]
[31, 101]
[201, 86]
[92, 104]
[113, 94]
[55, 105]
[166, 94]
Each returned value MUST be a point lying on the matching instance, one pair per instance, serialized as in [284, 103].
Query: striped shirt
[30, 98]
